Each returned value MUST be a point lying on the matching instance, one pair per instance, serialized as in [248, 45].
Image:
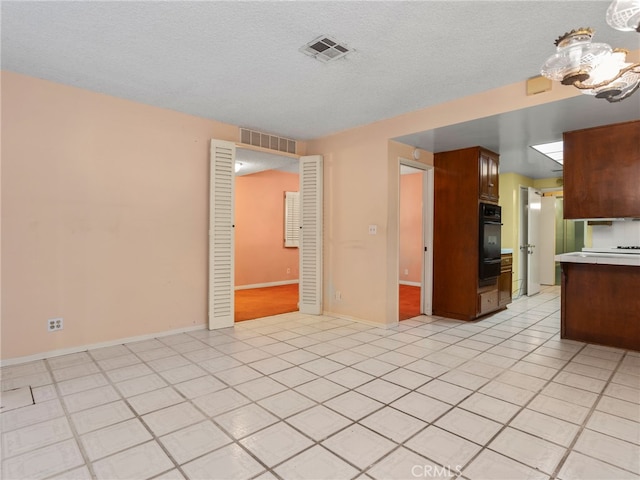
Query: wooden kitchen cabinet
[602, 171]
[462, 179]
[600, 304]
[488, 176]
[505, 280]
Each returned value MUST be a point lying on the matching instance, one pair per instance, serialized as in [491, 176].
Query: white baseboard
[93, 346]
[268, 284]
[411, 284]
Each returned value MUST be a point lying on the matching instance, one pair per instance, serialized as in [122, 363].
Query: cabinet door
[488, 170]
[493, 179]
[487, 302]
[602, 172]
[504, 288]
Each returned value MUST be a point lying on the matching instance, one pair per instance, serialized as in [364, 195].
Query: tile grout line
[583, 426]
[477, 390]
[137, 416]
[76, 435]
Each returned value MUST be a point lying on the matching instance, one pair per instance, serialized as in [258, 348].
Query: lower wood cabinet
[505, 280]
[600, 304]
[487, 302]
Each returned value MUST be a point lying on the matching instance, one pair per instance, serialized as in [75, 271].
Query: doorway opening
[266, 265]
[415, 218]
[570, 235]
[528, 254]
[222, 234]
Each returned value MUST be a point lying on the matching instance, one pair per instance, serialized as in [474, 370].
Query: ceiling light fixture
[624, 15]
[595, 68]
[553, 150]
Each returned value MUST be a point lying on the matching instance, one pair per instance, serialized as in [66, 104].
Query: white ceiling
[239, 62]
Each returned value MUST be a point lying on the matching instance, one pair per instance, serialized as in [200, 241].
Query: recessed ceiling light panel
[553, 150]
[325, 49]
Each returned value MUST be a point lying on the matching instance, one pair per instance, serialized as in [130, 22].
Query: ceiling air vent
[326, 49]
[265, 140]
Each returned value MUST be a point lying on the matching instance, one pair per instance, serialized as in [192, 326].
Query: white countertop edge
[629, 259]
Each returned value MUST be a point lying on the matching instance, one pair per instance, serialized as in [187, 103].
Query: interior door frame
[426, 287]
[225, 287]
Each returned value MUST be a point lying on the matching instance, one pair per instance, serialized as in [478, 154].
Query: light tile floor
[298, 396]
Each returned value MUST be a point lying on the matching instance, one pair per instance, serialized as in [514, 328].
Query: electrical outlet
[373, 229]
[288, 270]
[55, 324]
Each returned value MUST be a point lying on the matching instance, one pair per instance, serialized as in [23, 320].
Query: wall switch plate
[406, 271]
[55, 324]
[288, 270]
[338, 295]
[373, 229]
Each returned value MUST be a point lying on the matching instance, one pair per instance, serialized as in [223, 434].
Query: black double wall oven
[490, 231]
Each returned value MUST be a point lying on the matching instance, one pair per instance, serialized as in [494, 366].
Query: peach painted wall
[411, 245]
[104, 216]
[105, 211]
[260, 253]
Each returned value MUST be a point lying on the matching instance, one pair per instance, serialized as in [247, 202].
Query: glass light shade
[632, 84]
[606, 70]
[624, 15]
[612, 90]
[576, 56]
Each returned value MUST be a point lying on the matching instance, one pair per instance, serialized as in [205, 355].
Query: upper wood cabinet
[488, 169]
[602, 171]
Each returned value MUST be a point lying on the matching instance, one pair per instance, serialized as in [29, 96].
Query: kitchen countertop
[505, 251]
[629, 259]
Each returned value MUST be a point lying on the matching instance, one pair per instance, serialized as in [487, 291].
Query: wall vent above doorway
[265, 140]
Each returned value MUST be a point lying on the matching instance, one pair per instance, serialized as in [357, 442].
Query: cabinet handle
[491, 184]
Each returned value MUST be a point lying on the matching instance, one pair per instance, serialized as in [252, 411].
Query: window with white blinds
[292, 219]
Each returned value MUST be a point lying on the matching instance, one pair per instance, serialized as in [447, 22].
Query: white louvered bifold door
[221, 234]
[311, 234]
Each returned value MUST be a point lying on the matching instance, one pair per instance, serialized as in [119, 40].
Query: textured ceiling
[239, 62]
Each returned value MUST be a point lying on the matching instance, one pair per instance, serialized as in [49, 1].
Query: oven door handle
[491, 223]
